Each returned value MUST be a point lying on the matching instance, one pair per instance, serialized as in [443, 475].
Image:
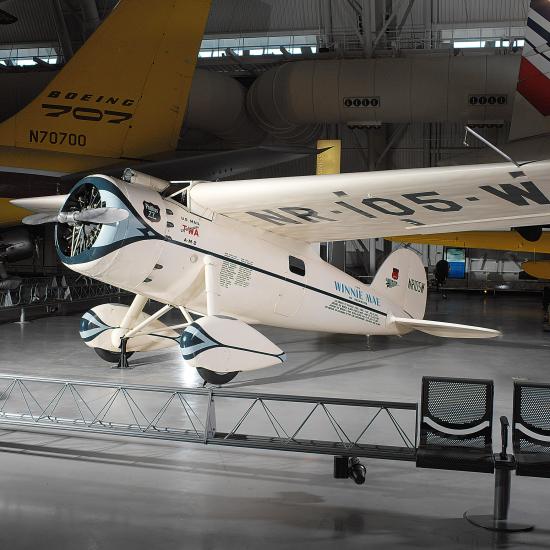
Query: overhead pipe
[217, 105]
[292, 100]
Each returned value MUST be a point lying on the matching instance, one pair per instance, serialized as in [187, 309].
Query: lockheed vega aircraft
[240, 252]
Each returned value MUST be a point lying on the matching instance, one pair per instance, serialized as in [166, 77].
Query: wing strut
[490, 145]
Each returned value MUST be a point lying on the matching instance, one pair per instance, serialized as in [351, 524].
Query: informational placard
[457, 262]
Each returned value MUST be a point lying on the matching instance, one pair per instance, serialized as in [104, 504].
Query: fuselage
[159, 253]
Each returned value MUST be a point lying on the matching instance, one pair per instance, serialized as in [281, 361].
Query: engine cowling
[225, 344]
[105, 251]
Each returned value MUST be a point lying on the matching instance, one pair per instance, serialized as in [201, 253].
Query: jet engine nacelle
[225, 344]
[98, 324]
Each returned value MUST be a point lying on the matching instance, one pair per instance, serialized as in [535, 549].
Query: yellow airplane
[493, 240]
[118, 103]
[122, 96]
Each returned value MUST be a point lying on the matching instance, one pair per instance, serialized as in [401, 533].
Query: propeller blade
[39, 219]
[93, 215]
[101, 215]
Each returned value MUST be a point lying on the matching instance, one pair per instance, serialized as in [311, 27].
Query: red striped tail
[532, 102]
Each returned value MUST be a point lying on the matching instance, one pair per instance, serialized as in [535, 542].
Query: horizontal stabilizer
[445, 330]
[52, 203]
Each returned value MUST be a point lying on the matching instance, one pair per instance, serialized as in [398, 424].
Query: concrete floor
[101, 492]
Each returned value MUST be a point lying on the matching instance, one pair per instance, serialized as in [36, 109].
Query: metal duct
[217, 105]
[291, 100]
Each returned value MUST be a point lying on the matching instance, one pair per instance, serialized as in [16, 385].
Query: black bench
[456, 423]
[531, 429]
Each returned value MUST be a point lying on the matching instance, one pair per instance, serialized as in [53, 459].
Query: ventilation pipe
[217, 106]
[292, 100]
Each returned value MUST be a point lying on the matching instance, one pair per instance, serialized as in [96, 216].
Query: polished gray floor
[64, 491]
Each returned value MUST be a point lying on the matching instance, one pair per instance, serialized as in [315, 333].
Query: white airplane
[239, 253]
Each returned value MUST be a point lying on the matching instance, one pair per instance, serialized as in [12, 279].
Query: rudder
[402, 279]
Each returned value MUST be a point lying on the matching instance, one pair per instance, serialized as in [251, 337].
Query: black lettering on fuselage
[78, 96]
[516, 195]
[306, 214]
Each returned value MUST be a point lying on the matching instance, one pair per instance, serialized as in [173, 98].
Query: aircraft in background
[120, 101]
[531, 118]
[534, 241]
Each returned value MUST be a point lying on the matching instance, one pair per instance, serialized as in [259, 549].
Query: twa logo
[395, 274]
[190, 230]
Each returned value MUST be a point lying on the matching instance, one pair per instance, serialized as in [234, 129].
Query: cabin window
[296, 266]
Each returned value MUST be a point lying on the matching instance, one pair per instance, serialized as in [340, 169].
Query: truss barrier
[351, 427]
[56, 290]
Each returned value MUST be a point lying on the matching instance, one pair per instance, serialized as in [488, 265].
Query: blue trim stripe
[150, 234]
[92, 326]
[195, 340]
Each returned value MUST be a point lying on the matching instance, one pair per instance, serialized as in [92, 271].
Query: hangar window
[484, 37]
[259, 45]
[296, 266]
[22, 55]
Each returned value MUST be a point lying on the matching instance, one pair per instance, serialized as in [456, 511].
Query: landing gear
[111, 356]
[210, 376]
[216, 378]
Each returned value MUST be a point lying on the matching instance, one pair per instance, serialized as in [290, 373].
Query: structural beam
[62, 30]
[396, 9]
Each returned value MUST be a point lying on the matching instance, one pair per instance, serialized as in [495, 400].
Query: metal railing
[351, 427]
[348, 40]
[52, 290]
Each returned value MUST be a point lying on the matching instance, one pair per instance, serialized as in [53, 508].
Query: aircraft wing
[217, 165]
[378, 204]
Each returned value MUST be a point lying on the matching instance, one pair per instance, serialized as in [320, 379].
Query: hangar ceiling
[246, 38]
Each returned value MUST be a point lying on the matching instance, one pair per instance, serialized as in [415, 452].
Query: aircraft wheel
[216, 378]
[111, 356]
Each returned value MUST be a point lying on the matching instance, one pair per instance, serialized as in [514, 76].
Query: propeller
[104, 215]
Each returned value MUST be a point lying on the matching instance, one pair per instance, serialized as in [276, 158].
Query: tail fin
[124, 93]
[532, 99]
[402, 279]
